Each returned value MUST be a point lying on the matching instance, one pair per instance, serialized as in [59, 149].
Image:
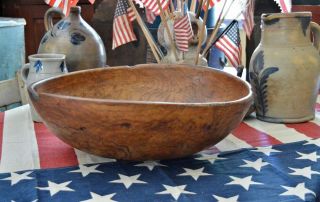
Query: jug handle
[25, 72]
[48, 22]
[315, 29]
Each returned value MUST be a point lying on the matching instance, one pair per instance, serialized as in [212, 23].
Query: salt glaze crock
[285, 68]
[75, 38]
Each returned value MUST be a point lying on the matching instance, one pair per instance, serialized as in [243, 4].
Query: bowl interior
[153, 83]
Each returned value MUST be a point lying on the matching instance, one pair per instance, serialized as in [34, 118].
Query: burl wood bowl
[143, 112]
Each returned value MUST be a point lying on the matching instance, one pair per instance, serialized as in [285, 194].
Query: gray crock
[284, 69]
[75, 38]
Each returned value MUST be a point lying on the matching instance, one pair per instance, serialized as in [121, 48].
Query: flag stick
[205, 52]
[216, 28]
[171, 6]
[193, 6]
[178, 5]
[196, 60]
[199, 9]
[164, 21]
[154, 48]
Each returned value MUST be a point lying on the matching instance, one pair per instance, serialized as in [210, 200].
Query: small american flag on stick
[152, 5]
[248, 21]
[211, 4]
[64, 5]
[122, 27]
[229, 44]
[183, 33]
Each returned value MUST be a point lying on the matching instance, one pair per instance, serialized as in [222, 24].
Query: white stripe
[85, 158]
[231, 143]
[19, 148]
[56, 3]
[124, 25]
[318, 99]
[316, 118]
[65, 7]
[227, 52]
[278, 131]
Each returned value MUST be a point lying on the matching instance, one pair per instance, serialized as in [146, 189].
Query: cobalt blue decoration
[38, 66]
[77, 38]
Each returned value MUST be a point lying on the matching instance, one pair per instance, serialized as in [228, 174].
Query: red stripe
[53, 153]
[228, 51]
[254, 137]
[309, 129]
[283, 6]
[318, 107]
[1, 131]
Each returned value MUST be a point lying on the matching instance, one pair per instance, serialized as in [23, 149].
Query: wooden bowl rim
[33, 92]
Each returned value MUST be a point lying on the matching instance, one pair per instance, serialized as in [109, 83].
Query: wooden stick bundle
[196, 60]
[164, 21]
[154, 48]
[217, 26]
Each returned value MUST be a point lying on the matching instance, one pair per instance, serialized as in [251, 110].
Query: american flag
[122, 27]
[65, 5]
[151, 17]
[229, 43]
[183, 32]
[248, 21]
[152, 5]
[211, 4]
[285, 5]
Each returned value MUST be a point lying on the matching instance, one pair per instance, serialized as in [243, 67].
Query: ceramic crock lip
[270, 16]
[244, 99]
[47, 57]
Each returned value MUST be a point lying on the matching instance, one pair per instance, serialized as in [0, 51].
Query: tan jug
[75, 38]
[285, 68]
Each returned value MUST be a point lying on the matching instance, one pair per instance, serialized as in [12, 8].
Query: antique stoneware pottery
[75, 38]
[142, 112]
[285, 68]
[183, 57]
[42, 66]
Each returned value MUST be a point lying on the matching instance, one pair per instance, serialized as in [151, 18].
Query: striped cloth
[248, 20]
[183, 33]
[26, 145]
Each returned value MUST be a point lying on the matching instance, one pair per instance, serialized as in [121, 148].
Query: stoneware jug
[42, 66]
[75, 38]
[285, 67]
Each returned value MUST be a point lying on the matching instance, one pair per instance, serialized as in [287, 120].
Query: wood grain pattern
[142, 112]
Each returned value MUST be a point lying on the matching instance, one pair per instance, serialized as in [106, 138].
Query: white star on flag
[257, 165]
[175, 191]
[150, 164]
[212, 158]
[243, 182]
[306, 172]
[300, 191]
[195, 174]
[266, 150]
[15, 177]
[127, 181]
[98, 198]
[54, 188]
[222, 199]
[312, 156]
[86, 170]
[313, 141]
